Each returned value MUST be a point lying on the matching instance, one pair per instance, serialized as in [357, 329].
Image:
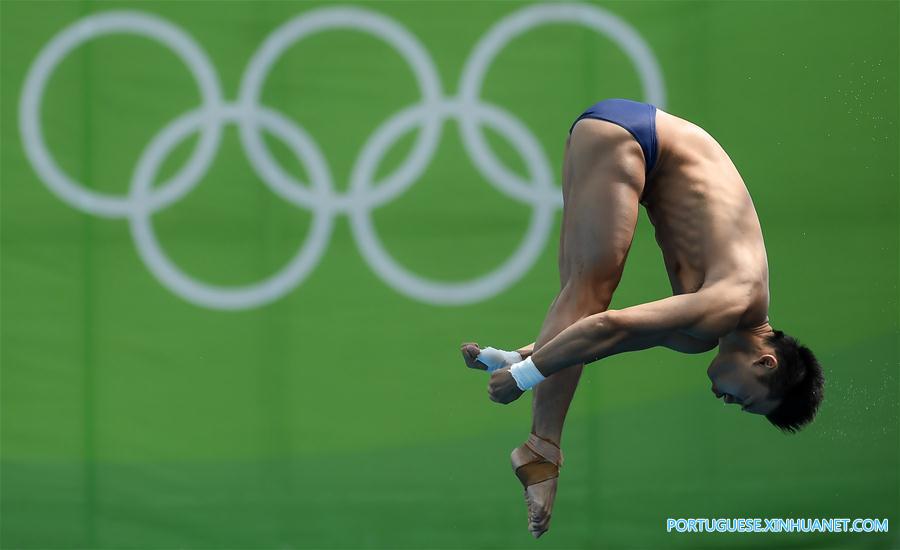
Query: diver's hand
[489, 359]
[502, 387]
[469, 352]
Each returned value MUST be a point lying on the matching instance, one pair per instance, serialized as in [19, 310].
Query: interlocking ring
[318, 194]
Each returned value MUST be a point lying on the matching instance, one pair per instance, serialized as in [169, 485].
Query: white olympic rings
[319, 194]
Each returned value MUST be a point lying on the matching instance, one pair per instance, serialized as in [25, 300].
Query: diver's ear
[768, 361]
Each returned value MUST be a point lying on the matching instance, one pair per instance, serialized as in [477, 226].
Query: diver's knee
[587, 297]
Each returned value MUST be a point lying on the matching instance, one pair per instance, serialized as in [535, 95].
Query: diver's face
[737, 377]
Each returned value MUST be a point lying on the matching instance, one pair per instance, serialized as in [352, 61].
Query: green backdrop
[339, 414]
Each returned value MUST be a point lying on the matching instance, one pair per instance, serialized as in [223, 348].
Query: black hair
[797, 381]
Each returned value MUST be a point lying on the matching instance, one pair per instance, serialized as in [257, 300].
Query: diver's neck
[763, 329]
[739, 338]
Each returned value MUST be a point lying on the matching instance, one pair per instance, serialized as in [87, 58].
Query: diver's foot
[536, 464]
[539, 499]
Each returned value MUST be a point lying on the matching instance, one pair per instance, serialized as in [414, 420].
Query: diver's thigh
[602, 192]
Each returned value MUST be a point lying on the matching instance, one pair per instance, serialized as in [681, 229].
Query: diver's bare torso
[705, 222]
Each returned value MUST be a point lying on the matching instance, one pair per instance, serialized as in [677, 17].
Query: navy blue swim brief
[638, 118]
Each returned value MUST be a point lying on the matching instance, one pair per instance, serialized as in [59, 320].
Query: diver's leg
[603, 178]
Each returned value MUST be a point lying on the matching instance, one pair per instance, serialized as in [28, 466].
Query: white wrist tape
[526, 374]
[497, 358]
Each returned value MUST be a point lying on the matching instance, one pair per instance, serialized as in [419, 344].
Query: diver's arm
[526, 351]
[685, 343]
[705, 315]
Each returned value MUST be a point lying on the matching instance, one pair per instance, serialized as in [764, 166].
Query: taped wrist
[526, 374]
[497, 358]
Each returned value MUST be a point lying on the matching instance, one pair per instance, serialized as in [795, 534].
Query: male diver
[620, 154]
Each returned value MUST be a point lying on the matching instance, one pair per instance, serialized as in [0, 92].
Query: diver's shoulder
[737, 294]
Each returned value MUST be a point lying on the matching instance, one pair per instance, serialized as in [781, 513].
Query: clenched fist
[502, 387]
[469, 352]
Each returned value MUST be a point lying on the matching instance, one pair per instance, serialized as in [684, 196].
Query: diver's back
[705, 221]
